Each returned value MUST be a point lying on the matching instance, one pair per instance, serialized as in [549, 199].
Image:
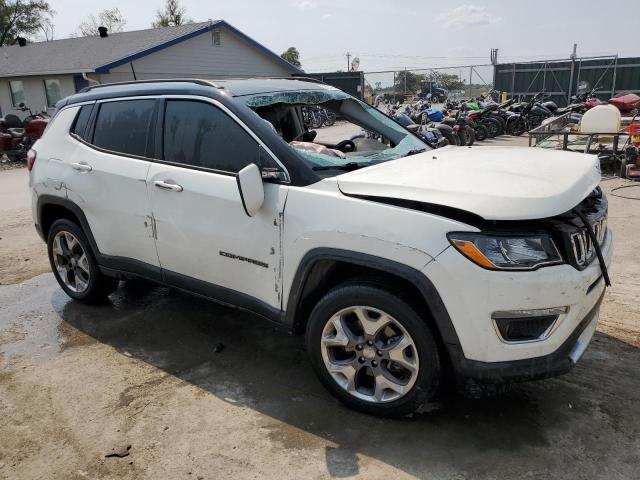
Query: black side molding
[424, 285]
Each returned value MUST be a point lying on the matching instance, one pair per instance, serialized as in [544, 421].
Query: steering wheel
[346, 146]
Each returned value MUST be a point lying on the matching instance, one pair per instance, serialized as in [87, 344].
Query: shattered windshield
[332, 130]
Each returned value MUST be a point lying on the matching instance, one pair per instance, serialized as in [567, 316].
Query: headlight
[506, 252]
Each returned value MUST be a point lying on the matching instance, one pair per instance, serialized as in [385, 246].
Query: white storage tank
[601, 119]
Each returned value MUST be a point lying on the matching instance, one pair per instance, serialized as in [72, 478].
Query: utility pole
[573, 57]
[348, 62]
[494, 56]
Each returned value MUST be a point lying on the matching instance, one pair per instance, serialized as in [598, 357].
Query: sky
[398, 34]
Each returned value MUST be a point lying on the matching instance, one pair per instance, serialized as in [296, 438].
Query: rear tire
[492, 127]
[518, 127]
[373, 351]
[74, 265]
[481, 132]
[330, 119]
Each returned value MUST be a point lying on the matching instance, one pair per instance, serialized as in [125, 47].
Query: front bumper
[471, 294]
[556, 363]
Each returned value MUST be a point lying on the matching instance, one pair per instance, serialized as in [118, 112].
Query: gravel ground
[145, 371]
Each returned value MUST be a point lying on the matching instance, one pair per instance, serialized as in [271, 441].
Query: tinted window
[82, 119]
[199, 134]
[124, 126]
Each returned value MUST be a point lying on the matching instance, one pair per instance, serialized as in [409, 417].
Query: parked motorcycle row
[17, 136]
[464, 122]
[317, 117]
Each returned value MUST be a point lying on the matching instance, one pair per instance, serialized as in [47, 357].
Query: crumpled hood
[496, 183]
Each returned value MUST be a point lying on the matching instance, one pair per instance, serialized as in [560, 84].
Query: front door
[205, 240]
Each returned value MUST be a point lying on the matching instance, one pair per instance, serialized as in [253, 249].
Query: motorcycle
[18, 136]
[627, 103]
[462, 129]
[316, 117]
[437, 136]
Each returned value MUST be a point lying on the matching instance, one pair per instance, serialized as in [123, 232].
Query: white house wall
[199, 57]
[35, 96]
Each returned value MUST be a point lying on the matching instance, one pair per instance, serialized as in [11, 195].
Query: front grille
[582, 247]
[571, 234]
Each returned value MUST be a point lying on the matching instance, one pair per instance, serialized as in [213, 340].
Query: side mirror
[251, 189]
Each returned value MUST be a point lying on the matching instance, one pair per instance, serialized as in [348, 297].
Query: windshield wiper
[347, 167]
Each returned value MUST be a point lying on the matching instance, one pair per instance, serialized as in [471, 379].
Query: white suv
[404, 266]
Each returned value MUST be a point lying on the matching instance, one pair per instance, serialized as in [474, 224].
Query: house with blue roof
[40, 74]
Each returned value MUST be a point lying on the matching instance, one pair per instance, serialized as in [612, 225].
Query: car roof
[239, 87]
[194, 86]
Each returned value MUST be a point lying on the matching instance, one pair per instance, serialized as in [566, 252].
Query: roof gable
[95, 54]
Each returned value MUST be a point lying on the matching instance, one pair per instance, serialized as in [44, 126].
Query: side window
[17, 92]
[53, 91]
[199, 134]
[82, 119]
[124, 126]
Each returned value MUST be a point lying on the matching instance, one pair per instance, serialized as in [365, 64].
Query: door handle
[81, 167]
[168, 185]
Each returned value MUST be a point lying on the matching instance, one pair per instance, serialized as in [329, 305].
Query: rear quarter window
[81, 122]
[124, 126]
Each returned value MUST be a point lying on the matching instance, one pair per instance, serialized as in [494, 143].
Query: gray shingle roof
[85, 54]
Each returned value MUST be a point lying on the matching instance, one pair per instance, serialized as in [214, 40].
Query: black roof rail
[208, 83]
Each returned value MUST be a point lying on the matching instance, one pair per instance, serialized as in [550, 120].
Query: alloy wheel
[71, 261]
[369, 354]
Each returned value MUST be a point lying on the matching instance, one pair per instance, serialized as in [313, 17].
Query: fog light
[526, 325]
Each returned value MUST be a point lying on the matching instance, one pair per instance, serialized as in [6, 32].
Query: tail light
[31, 158]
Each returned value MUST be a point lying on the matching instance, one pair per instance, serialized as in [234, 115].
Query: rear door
[205, 240]
[106, 177]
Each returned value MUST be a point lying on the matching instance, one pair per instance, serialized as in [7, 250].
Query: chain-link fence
[438, 83]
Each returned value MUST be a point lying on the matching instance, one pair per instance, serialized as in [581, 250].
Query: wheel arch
[323, 268]
[51, 208]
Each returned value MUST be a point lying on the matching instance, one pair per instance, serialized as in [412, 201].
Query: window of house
[17, 92]
[217, 38]
[124, 126]
[53, 91]
[201, 135]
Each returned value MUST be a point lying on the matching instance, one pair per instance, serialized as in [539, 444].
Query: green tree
[412, 84]
[111, 18]
[450, 82]
[22, 18]
[292, 55]
[172, 15]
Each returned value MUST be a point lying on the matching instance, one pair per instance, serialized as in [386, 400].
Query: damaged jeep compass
[405, 267]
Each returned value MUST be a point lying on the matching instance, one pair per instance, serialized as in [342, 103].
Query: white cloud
[326, 16]
[304, 4]
[466, 16]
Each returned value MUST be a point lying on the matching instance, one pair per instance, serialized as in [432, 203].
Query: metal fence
[398, 84]
[349, 82]
[561, 78]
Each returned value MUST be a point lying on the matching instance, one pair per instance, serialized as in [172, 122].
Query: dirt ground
[22, 253]
[142, 376]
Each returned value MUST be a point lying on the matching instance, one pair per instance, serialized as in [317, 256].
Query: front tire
[74, 265]
[373, 351]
